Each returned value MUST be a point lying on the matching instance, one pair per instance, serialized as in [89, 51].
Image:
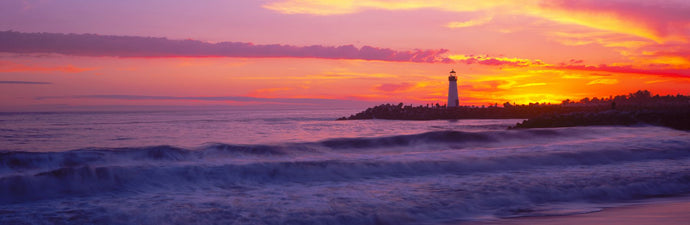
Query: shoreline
[538, 116]
[667, 211]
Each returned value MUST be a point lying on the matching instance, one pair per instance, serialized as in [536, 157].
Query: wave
[85, 179]
[91, 180]
[406, 140]
[452, 195]
[523, 174]
[17, 161]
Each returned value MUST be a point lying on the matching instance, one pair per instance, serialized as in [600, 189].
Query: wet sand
[663, 212]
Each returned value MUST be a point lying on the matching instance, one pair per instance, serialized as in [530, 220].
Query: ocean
[304, 167]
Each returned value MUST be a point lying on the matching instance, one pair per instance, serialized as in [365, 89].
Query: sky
[118, 54]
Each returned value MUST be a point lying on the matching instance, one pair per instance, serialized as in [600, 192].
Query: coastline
[679, 119]
[668, 211]
[622, 110]
[676, 117]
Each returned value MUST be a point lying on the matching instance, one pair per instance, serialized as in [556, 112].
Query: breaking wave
[501, 173]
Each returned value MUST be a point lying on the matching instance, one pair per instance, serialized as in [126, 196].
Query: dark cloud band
[22, 82]
[131, 46]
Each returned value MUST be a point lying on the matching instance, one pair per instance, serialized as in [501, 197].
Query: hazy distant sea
[303, 167]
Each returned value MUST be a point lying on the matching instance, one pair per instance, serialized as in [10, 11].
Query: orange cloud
[486, 86]
[395, 87]
[603, 38]
[494, 61]
[680, 73]
[267, 92]
[652, 20]
[606, 22]
[672, 56]
[336, 7]
[603, 81]
[301, 101]
[7, 66]
[530, 84]
[470, 23]
[659, 21]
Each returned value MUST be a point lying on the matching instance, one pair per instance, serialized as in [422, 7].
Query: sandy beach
[666, 211]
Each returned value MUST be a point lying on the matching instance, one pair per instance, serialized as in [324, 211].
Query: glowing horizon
[295, 52]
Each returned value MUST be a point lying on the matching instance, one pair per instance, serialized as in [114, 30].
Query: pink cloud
[131, 46]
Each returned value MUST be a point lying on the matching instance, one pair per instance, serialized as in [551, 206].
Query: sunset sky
[60, 54]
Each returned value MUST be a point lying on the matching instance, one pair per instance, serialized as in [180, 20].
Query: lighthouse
[453, 100]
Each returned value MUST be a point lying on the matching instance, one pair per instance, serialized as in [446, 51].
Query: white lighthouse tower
[453, 100]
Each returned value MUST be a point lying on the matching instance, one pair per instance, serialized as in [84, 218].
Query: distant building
[453, 100]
